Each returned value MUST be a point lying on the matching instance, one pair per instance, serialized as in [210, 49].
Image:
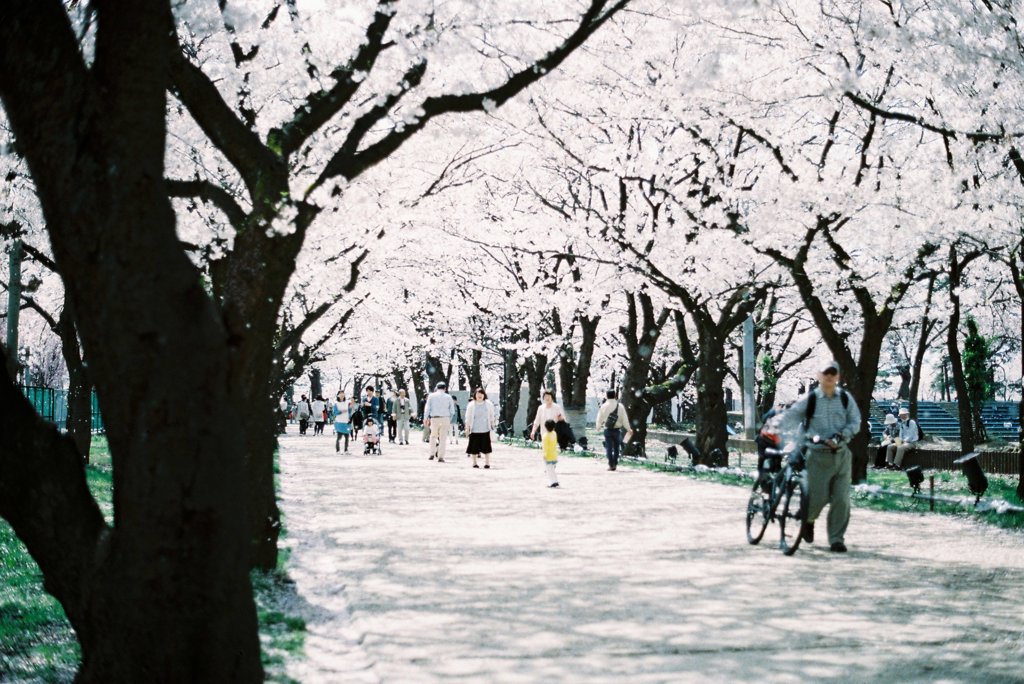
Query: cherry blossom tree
[90, 119]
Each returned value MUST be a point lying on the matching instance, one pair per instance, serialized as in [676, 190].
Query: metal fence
[52, 405]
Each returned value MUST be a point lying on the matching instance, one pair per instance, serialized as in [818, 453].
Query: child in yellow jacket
[550, 443]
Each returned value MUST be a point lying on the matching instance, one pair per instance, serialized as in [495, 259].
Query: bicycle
[778, 484]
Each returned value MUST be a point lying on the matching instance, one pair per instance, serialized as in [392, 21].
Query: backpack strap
[812, 403]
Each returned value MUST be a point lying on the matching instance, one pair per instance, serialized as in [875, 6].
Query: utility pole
[749, 412]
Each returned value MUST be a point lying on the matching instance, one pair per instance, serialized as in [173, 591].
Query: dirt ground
[413, 571]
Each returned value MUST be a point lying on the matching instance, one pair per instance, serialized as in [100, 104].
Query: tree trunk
[471, 370]
[566, 374]
[164, 593]
[904, 390]
[398, 376]
[634, 380]
[316, 388]
[926, 327]
[79, 422]
[584, 360]
[955, 359]
[511, 385]
[418, 386]
[712, 414]
[640, 332]
[435, 371]
[535, 368]
[1020, 404]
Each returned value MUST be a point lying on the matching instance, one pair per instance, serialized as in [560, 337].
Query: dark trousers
[613, 446]
[303, 425]
[337, 440]
[392, 429]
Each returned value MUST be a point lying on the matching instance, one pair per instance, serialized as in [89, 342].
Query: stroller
[371, 438]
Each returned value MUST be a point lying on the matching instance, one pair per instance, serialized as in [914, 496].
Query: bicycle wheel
[794, 510]
[758, 513]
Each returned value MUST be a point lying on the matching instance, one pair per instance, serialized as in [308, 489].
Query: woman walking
[548, 411]
[479, 423]
[342, 421]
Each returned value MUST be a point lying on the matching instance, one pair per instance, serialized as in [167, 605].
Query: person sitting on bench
[905, 441]
[889, 434]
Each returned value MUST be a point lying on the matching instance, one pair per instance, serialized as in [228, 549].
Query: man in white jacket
[612, 419]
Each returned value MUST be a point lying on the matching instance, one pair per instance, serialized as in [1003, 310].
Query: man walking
[612, 419]
[827, 418]
[389, 415]
[437, 415]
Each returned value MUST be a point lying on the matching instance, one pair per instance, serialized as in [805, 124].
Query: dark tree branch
[320, 107]
[225, 130]
[208, 192]
[352, 166]
[945, 132]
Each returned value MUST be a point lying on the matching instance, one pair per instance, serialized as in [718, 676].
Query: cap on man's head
[829, 366]
[904, 411]
[890, 419]
[440, 385]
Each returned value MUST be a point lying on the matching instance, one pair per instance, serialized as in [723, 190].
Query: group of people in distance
[440, 413]
[825, 420]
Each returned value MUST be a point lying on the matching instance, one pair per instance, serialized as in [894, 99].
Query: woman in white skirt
[479, 423]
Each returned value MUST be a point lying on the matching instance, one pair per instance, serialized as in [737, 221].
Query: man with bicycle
[826, 419]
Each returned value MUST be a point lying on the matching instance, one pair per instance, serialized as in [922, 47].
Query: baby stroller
[371, 438]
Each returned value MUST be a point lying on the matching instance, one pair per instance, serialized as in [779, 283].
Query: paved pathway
[414, 571]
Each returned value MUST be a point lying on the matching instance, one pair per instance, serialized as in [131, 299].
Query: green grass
[948, 484]
[36, 640]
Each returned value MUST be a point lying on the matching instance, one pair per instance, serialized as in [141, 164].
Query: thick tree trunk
[164, 593]
[584, 360]
[574, 365]
[712, 413]
[634, 380]
[640, 333]
[859, 380]
[535, 368]
[398, 376]
[471, 369]
[435, 371]
[79, 421]
[511, 385]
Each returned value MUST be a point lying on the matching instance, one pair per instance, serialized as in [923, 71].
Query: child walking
[550, 443]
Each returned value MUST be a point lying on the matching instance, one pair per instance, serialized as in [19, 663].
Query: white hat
[904, 411]
[827, 366]
[890, 419]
